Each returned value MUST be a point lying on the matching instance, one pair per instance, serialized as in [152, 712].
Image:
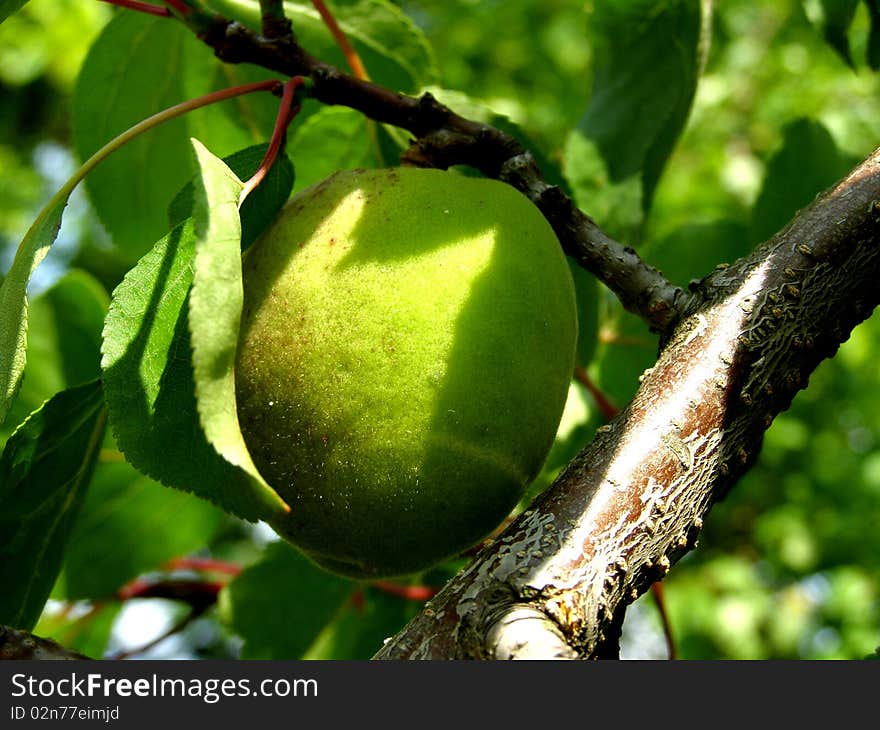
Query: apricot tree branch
[632, 503]
[274, 22]
[442, 139]
[15, 644]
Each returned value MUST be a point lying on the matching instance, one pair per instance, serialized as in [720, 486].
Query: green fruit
[406, 347]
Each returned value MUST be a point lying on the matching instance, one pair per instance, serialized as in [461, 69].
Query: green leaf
[872, 53]
[215, 314]
[148, 379]
[626, 350]
[834, 18]
[88, 634]
[134, 64]
[807, 162]
[618, 205]
[362, 625]
[280, 605]
[8, 7]
[44, 471]
[64, 341]
[146, 523]
[645, 73]
[234, 125]
[332, 139]
[387, 39]
[13, 300]
[693, 250]
[260, 207]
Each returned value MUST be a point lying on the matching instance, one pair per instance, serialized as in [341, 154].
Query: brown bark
[16, 644]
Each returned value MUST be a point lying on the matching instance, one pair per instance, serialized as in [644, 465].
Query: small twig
[141, 7]
[606, 407]
[660, 602]
[275, 23]
[207, 565]
[197, 593]
[352, 57]
[411, 593]
[286, 112]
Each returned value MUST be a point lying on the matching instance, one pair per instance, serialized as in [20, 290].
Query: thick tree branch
[443, 139]
[633, 502]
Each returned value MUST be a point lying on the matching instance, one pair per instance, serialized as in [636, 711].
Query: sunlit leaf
[63, 343]
[148, 378]
[260, 207]
[13, 301]
[215, 313]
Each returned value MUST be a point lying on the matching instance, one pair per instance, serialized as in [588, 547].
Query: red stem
[351, 55]
[606, 407]
[208, 565]
[141, 7]
[657, 591]
[285, 115]
[411, 593]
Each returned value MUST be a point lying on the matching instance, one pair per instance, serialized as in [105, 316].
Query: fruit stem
[141, 7]
[286, 112]
[351, 55]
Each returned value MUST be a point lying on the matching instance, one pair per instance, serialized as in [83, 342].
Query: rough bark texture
[633, 502]
[16, 644]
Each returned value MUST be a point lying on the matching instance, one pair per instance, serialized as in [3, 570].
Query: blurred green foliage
[788, 562]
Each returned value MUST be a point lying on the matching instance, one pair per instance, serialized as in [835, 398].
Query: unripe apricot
[406, 347]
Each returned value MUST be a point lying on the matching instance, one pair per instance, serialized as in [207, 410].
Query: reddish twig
[351, 55]
[197, 593]
[657, 592]
[207, 565]
[286, 112]
[606, 407]
[411, 593]
[141, 7]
